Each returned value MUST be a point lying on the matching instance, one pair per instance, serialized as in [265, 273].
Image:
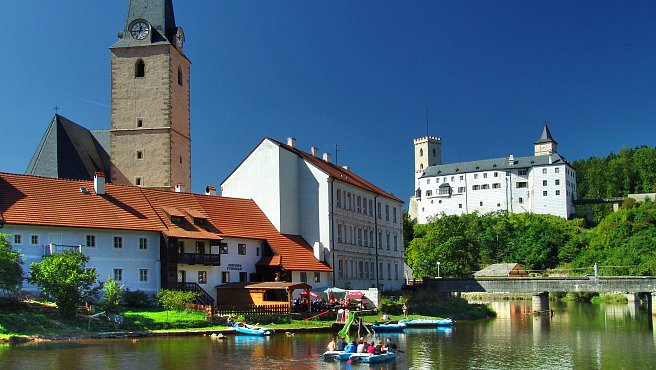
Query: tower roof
[160, 15]
[546, 136]
[68, 150]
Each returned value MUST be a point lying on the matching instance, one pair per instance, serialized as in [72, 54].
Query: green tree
[175, 300]
[63, 277]
[11, 265]
[112, 296]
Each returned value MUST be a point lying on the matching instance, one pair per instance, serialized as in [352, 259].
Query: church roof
[68, 150]
[496, 164]
[159, 13]
[546, 136]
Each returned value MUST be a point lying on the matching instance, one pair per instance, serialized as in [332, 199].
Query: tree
[175, 300]
[63, 277]
[11, 278]
[112, 295]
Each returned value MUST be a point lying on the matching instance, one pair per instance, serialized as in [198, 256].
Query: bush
[175, 300]
[11, 266]
[112, 296]
[136, 299]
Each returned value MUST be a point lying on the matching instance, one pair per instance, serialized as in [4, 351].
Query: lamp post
[438, 268]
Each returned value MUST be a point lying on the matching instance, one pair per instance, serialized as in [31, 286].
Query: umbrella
[334, 290]
[312, 294]
[355, 295]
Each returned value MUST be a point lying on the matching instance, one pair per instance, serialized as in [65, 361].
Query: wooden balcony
[196, 259]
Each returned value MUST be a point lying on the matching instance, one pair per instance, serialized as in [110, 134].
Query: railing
[202, 298]
[195, 258]
[252, 309]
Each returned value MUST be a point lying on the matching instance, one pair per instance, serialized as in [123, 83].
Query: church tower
[428, 152]
[150, 119]
[546, 145]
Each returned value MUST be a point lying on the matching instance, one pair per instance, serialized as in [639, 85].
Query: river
[578, 336]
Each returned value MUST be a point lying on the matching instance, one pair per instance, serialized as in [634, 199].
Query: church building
[149, 141]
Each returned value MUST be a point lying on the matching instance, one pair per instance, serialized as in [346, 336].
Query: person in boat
[380, 348]
[361, 346]
[391, 346]
[405, 311]
[332, 346]
[371, 348]
[341, 343]
[351, 347]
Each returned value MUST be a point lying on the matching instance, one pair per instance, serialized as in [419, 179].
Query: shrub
[11, 266]
[136, 299]
[112, 296]
[175, 300]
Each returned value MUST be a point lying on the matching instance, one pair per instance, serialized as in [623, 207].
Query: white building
[544, 183]
[354, 226]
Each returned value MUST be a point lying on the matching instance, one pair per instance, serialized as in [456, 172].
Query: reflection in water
[578, 336]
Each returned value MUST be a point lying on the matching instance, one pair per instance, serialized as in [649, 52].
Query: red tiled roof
[338, 172]
[243, 218]
[31, 200]
[266, 285]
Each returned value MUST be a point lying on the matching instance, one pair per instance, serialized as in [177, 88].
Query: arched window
[179, 76]
[139, 68]
[421, 152]
[421, 166]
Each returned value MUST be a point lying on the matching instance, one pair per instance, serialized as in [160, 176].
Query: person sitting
[332, 346]
[391, 346]
[379, 349]
[361, 346]
[341, 343]
[371, 349]
[384, 317]
[350, 348]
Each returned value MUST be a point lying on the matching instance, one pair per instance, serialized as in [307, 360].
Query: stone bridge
[540, 287]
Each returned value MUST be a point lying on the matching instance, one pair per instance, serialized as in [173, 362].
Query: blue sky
[364, 75]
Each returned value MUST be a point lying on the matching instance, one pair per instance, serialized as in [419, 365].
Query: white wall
[103, 257]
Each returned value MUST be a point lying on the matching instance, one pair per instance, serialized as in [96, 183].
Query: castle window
[421, 152]
[544, 193]
[139, 122]
[179, 76]
[433, 152]
[138, 181]
[557, 192]
[522, 172]
[140, 69]
[180, 159]
[521, 200]
[139, 154]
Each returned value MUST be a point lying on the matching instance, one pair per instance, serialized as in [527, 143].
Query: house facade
[352, 225]
[544, 183]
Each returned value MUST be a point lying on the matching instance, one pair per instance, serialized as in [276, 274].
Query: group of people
[361, 346]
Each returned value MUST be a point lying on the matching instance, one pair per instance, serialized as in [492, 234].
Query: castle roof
[159, 13]
[496, 164]
[546, 136]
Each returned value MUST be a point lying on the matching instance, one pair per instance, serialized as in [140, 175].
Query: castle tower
[546, 144]
[150, 120]
[428, 152]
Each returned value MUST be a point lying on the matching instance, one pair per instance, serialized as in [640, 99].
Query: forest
[621, 243]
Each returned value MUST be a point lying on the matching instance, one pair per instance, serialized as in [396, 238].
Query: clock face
[139, 29]
[179, 38]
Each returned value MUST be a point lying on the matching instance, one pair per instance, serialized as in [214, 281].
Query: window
[139, 122]
[496, 174]
[544, 170]
[371, 238]
[379, 212]
[460, 205]
[461, 189]
[521, 184]
[557, 170]
[557, 182]
[317, 277]
[445, 190]
[372, 269]
[429, 193]
[421, 152]
[485, 175]
[498, 205]
[118, 275]
[143, 244]
[389, 271]
[359, 204]
[386, 212]
[364, 206]
[521, 200]
[359, 236]
[476, 187]
[339, 198]
[348, 201]
[366, 238]
[91, 241]
[544, 182]
[394, 215]
[462, 177]
[496, 186]
[371, 208]
[340, 268]
[241, 249]
[427, 181]
[34, 240]
[481, 204]
[118, 242]
[360, 269]
[225, 277]
[522, 172]
[223, 248]
[475, 176]
[18, 239]
[557, 192]
[139, 69]
[387, 240]
[380, 269]
[143, 275]
[366, 270]
[437, 180]
[339, 233]
[243, 277]
[303, 277]
[139, 154]
[396, 242]
[396, 271]
[485, 186]
[179, 76]
[544, 193]
[257, 251]
[453, 178]
[200, 247]
[138, 181]
[380, 240]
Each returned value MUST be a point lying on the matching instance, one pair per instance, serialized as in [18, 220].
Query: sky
[363, 77]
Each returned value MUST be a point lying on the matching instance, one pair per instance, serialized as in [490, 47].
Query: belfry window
[179, 76]
[140, 69]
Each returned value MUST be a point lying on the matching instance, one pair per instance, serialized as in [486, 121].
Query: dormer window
[176, 219]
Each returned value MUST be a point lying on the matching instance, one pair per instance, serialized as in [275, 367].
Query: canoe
[427, 322]
[373, 359]
[388, 327]
[336, 356]
[244, 328]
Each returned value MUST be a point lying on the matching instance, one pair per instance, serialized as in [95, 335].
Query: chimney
[99, 183]
[326, 157]
[511, 160]
[346, 168]
[210, 190]
[314, 151]
[179, 188]
[291, 142]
